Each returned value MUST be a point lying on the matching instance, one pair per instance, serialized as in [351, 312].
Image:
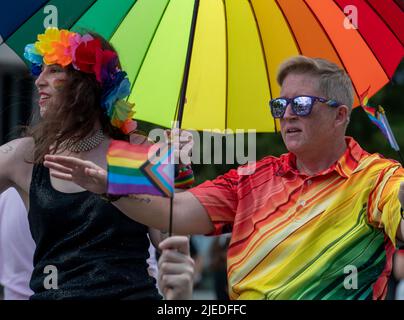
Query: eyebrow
[55, 65]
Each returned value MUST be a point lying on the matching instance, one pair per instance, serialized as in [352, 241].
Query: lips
[292, 130]
[43, 96]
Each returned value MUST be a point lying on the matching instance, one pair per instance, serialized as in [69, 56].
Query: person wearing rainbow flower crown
[85, 247]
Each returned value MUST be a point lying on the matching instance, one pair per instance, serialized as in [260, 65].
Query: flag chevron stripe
[130, 171]
[155, 179]
[155, 168]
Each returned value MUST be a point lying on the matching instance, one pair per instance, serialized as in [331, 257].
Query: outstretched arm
[189, 216]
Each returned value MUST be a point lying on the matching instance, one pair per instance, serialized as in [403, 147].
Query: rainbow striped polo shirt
[328, 236]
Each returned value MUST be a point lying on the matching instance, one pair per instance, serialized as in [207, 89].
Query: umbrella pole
[183, 92]
[170, 228]
[187, 64]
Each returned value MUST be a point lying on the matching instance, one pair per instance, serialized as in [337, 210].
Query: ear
[341, 116]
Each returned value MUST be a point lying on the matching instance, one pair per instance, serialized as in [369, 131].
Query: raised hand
[176, 268]
[182, 142]
[86, 174]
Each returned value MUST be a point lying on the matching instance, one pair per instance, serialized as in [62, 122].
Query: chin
[42, 111]
[294, 146]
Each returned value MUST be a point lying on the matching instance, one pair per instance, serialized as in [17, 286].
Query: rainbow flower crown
[85, 54]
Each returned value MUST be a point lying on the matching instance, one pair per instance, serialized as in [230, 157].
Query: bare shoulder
[16, 156]
[18, 149]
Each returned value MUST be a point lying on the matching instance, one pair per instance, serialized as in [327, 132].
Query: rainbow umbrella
[213, 63]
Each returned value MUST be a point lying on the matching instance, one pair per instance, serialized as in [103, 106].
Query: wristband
[184, 176]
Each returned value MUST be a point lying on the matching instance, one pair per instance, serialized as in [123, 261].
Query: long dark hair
[74, 118]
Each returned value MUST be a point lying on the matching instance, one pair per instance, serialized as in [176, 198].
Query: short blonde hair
[334, 82]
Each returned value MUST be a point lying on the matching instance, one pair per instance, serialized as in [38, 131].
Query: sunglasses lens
[278, 107]
[302, 105]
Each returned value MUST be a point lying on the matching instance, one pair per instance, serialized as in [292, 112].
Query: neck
[313, 163]
[92, 141]
[96, 127]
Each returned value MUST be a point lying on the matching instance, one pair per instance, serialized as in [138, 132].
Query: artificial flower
[111, 81]
[75, 41]
[32, 54]
[120, 90]
[88, 56]
[45, 41]
[36, 69]
[109, 67]
[85, 54]
[121, 111]
[129, 126]
[54, 45]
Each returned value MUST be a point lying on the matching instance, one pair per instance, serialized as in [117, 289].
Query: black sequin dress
[96, 251]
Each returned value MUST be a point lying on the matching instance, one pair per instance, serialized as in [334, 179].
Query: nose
[289, 113]
[40, 82]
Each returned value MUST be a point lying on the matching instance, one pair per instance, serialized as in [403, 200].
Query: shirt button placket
[302, 203]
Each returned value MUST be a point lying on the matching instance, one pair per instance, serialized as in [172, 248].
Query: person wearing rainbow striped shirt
[320, 222]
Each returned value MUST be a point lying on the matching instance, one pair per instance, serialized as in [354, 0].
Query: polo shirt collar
[344, 166]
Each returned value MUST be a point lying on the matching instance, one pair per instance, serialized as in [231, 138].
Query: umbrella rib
[82, 14]
[332, 44]
[294, 38]
[227, 64]
[261, 45]
[370, 48]
[263, 54]
[399, 4]
[123, 18]
[387, 25]
[290, 28]
[148, 47]
[180, 105]
[184, 88]
[21, 24]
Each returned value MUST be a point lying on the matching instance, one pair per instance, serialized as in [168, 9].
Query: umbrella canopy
[213, 63]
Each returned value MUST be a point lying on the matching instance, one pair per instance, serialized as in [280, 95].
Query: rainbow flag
[378, 116]
[374, 116]
[140, 169]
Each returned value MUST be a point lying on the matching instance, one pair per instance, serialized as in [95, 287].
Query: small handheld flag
[378, 116]
[140, 169]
